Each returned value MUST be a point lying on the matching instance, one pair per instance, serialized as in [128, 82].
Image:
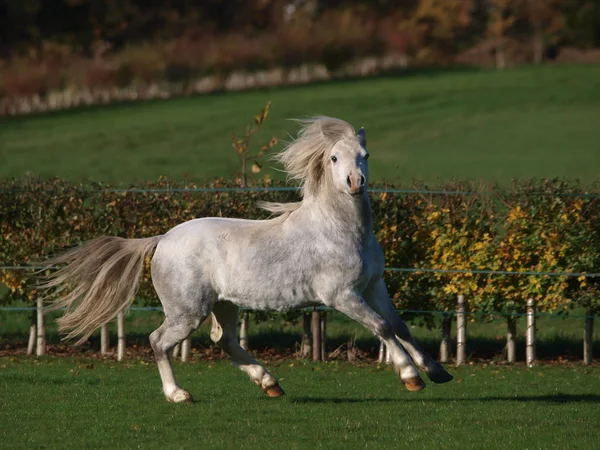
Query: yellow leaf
[255, 168]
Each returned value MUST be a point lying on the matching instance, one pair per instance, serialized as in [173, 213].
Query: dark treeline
[440, 25]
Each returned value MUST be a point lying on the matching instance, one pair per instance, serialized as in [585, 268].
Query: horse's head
[348, 164]
[328, 154]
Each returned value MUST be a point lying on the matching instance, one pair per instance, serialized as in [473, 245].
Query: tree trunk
[538, 46]
[588, 337]
[41, 329]
[461, 332]
[500, 57]
[32, 333]
[306, 345]
[511, 334]
[445, 344]
[120, 336]
[316, 335]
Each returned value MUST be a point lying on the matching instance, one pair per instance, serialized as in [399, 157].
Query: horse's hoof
[440, 376]
[414, 384]
[274, 391]
[181, 396]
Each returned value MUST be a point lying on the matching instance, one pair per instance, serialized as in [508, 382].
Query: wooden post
[381, 357]
[316, 335]
[588, 337]
[104, 339]
[324, 336]
[244, 331]
[32, 333]
[176, 351]
[186, 349]
[120, 336]
[388, 356]
[445, 344]
[41, 329]
[511, 334]
[530, 336]
[461, 332]
[306, 345]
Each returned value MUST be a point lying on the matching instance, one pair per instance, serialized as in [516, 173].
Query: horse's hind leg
[173, 330]
[223, 333]
[379, 300]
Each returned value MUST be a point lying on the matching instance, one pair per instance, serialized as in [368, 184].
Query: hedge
[543, 225]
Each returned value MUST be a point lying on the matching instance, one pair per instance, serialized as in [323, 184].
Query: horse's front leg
[353, 305]
[377, 297]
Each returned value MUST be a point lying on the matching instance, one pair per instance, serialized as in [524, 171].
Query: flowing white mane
[304, 158]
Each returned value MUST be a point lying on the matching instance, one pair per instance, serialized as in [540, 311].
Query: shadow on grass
[557, 398]
[332, 400]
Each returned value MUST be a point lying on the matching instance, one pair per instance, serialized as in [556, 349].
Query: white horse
[320, 251]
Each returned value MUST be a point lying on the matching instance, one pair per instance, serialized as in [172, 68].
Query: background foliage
[535, 225]
[83, 44]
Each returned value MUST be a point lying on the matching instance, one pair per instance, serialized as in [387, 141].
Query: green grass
[81, 403]
[430, 126]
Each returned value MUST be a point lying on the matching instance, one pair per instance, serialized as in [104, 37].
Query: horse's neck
[347, 215]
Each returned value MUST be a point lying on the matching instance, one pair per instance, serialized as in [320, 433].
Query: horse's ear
[362, 135]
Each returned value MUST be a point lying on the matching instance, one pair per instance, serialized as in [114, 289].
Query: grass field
[80, 403]
[428, 126]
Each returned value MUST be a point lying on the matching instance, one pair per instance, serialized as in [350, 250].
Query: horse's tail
[101, 279]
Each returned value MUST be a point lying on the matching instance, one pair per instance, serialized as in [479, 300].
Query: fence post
[244, 331]
[461, 332]
[186, 349]
[120, 336]
[445, 343]
[104, 339]
[381, 357]
[588, 337]
[324, 336]
[41, 329]
[511, 334]
[530, 336]
[316, 334]
[32, 333]
[306, 345]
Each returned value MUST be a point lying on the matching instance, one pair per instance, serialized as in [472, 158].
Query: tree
[440, 23]
[546, 20]
[502, 15]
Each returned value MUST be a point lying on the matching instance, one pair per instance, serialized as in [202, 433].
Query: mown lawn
[430, 126]
[84, 403]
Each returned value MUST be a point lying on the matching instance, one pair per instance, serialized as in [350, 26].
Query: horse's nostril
[362, 180]
[349, 181]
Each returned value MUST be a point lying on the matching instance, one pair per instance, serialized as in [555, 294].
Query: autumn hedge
[534, 225]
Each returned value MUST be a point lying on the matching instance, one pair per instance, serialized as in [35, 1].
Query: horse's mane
[304, 158]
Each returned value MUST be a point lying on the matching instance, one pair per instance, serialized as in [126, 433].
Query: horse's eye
[367, 156]
[334, 158]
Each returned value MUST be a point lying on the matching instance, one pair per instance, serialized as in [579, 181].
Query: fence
[449, 284]
[315, 325]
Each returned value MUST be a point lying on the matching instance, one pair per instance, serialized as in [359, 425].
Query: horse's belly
[270, 298]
